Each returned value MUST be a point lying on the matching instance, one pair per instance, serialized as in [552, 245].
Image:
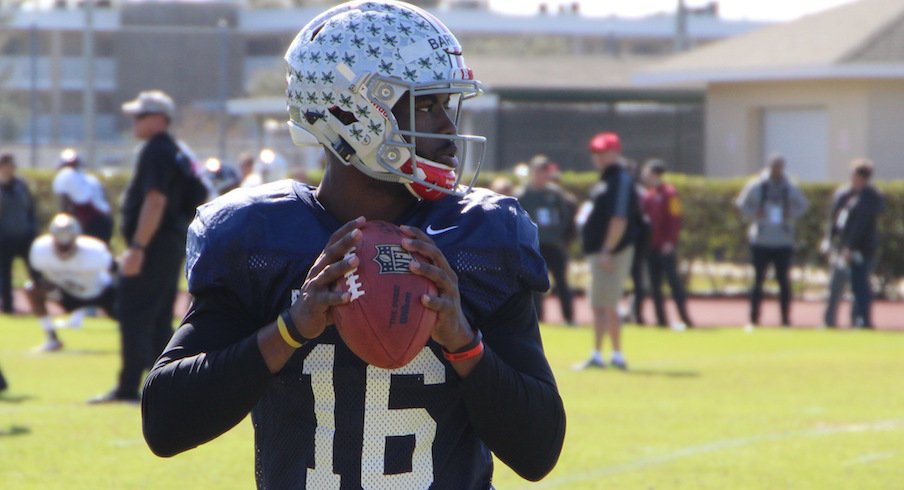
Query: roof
[862, 39]
[469, 22]
[461, 22]
[571, 72]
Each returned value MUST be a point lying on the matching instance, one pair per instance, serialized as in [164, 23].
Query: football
[385, 323]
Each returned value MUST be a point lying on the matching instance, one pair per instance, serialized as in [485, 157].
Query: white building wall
[886, 128]
[734, 115]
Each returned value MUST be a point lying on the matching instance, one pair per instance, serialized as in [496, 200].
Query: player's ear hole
[317, 31]
[344, 117]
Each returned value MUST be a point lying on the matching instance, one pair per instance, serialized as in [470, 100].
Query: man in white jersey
[73, 270]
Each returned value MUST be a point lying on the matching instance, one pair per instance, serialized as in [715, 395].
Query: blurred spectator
[662, 208]
[246, 166]
[634, 309]
[268, 167]
[772, 203]
[552, 209]
[155, 214]
[502, 185]
[71, 269]
[17, 226]
[222, 177]
[82, 196]
[852, 241]
[609, 234]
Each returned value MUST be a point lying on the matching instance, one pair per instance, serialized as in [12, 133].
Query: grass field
[699, 409]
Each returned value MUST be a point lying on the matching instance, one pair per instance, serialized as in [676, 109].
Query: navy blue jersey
[328, 420]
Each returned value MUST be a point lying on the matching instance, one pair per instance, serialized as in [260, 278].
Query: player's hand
[130, 262]
[452, 330]
[311, 312]
[667, 248]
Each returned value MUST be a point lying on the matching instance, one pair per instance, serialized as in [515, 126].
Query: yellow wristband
[284, 333]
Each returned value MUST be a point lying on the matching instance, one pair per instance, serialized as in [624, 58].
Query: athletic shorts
[106, 300]
[607, 288]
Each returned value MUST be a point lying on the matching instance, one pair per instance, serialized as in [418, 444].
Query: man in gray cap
[154, 224]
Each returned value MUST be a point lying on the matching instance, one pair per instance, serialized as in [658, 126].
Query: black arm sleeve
[207, 379]
[511, 395]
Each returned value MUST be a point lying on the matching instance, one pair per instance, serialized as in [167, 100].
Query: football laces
[353, 280]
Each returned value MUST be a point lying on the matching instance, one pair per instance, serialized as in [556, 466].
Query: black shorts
[106, 300]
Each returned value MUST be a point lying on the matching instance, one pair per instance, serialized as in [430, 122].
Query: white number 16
[380, 422]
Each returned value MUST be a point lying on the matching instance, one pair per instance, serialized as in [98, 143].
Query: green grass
[699, 409]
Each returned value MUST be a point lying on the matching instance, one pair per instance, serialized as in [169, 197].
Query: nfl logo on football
[393, 259]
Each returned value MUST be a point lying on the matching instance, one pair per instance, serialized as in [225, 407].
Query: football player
[377, 84]
[82, 196]
[71, 269]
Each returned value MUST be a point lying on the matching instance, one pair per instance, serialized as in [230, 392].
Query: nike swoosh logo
[431, 231]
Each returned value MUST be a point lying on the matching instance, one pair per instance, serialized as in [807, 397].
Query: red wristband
[470, 351]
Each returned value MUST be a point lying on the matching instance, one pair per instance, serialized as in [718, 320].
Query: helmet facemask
[347, 105]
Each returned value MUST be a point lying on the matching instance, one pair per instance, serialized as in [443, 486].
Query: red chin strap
[433, 173]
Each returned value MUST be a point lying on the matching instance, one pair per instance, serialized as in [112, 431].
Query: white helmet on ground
[349, 67]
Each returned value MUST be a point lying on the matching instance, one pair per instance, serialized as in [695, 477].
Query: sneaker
[51, 345]
[620, 364]
[749, 328]
[70, 322]
[592, 363]
[114, 397]
[679, 326]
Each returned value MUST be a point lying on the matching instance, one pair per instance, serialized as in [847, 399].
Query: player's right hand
[311, 312]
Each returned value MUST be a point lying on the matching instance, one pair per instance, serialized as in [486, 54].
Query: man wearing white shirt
[82, 196]
[73, 270]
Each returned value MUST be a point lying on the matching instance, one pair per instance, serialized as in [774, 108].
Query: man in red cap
[608, 237]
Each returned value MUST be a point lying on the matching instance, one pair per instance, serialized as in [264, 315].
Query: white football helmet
[64, 229]
[349, 67]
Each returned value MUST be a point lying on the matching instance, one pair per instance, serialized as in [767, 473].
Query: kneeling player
[71, 269]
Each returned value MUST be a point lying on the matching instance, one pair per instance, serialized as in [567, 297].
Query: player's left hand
[452, 330]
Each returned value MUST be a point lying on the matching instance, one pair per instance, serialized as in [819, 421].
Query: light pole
[223, 86]
[681, 27]
[89, 114]
[33, 92]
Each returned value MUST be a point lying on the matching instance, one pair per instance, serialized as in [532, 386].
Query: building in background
[821, 91]
[561, 71]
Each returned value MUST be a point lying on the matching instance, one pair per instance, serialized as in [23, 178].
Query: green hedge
[713, 228]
